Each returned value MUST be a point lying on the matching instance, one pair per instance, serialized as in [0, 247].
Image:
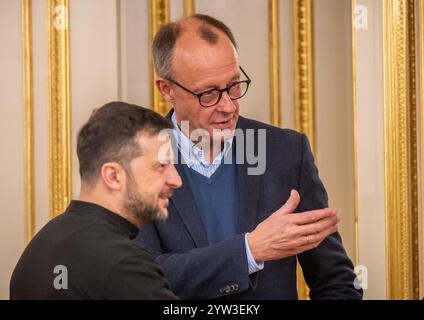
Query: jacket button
[234, 287]
[227, 289]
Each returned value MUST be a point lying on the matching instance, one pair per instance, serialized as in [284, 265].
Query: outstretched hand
[285, 233]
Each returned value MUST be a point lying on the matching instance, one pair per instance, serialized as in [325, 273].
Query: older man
[232, 233]
[88, 252]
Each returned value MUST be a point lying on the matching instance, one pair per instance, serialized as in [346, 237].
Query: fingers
[312, 241]
[318, 226]
[312, 216]
[291, 204]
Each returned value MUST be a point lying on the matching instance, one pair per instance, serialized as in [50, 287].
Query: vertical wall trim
[304, 74]
[413, 150]
[355, 135]
[274, 62]
[59, 100]
[189, 7]
[303, 86]
[159, 14]
[29, 174]
[421, 143]
[396, 148]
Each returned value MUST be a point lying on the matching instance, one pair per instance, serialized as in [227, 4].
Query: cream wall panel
[11, 131]
[177, 9]
[371, 212]
[135, 52]
[40, 112]
[94, 63]
[252, 39]
[333, 110]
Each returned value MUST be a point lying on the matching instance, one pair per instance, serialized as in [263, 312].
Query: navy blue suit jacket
[197, 270]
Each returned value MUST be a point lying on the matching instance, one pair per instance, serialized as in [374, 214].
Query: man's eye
[209, 94]
[163, 165]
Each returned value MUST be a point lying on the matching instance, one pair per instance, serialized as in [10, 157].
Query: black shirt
[87, 253]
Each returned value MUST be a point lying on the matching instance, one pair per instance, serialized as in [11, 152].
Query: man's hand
[285, 233]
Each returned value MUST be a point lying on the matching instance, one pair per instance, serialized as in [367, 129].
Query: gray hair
[165, 39]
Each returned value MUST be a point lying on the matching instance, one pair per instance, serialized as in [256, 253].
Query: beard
[142, 207]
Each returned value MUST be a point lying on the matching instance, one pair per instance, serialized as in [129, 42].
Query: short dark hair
[165, 39]
[110, 136]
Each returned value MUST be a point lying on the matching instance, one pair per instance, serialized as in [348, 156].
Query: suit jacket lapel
[249, 187]
[186, 208]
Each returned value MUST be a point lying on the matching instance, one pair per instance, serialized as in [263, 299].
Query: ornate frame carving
[398, 240]
[274, 62]
[159, 14]
[304, 70]
[60, 170]
[304, 87]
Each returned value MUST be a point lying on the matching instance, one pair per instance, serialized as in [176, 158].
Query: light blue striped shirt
[194, 157]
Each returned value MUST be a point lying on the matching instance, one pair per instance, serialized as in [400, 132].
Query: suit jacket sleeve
[327, 269]
[203, 273]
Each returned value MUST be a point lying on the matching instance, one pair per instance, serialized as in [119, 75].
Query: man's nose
[174, 180]
[226, 104]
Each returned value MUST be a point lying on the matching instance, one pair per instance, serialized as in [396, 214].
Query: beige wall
[369, 64]
[11, 133]
[251, 38]
[334, 116]
[94, 61]
[135, 52]
[40, 113]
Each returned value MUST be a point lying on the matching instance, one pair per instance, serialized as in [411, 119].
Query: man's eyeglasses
[211, 97]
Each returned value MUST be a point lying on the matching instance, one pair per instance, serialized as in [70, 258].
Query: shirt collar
[192, 154]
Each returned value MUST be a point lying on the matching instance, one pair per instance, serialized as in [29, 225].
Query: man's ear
[164, 89]
[113, 175]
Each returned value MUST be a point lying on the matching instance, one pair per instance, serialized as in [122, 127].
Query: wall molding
[413, 149]
[421, 144]
[59, 101]
[398, 240]
[159, 15]
[274, 62]
[304, 70]
[189, 7]
[355, 135]
[303, 87]
[28, 99]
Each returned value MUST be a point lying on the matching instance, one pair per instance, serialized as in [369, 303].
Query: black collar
[123, 224]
